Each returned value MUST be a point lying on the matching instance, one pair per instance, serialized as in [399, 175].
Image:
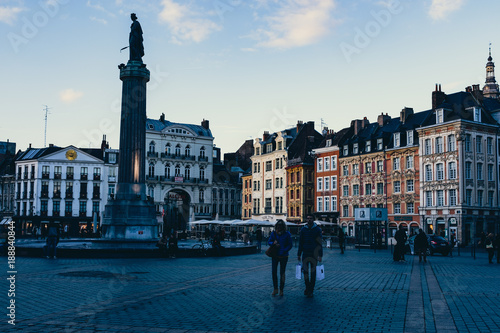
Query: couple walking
[310, 252]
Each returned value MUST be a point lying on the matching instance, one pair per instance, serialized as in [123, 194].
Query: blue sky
[247, 66]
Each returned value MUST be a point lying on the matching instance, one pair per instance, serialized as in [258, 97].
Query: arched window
[151, 170]
[202, 152]
[168, 149]
[187, 150]
[167, 170]
[202, 195]
[187, 172]
[152, 147]
[202, 173]
[178, 150]
[177, 170]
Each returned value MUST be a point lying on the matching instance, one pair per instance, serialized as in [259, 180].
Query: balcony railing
[83, 214]
[56, 213]
[69, 195]
[25, 195]
[268, 210]
[67, 214]
[96, 195]
[97, 176]
[57, 195]
[84, 176]
[25, 175]
[44, 194]
[43, 213]
[57, 176]
[45, 175]
[31, 195]
[32, 174]
[69, 176]
[203, 158]
[152, 154]
[83, 195]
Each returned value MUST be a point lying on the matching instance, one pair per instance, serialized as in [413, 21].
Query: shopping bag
[320, 272]
[298, 271]
[328, 243]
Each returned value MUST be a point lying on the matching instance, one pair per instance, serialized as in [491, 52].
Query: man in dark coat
[310, 252]
[399, 249]
[421, 244]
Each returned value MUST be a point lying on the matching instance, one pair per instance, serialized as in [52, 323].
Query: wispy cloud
[295, 23]
[103, 21]
[441, 8]
[9, 14]
[186, 22]
[70, 95]
[100, 8]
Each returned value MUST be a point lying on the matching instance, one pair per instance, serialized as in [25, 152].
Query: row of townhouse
[436, 169]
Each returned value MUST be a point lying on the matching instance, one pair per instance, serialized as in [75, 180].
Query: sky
[246, 66]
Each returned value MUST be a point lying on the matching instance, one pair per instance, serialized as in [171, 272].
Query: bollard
[458, 245]
[474, 249]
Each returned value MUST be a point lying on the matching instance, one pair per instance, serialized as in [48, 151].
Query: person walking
[341, 240]
[258, 238]
[53, 234]
[162, 245]
[173, 245]
[490, 247]
[282, 240]
[453, 242]
[421, 244]
[311, 252]
[399, 249]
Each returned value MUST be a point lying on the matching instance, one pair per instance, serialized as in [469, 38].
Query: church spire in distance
[490, 89]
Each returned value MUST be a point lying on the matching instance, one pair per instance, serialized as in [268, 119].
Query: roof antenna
[46, 109]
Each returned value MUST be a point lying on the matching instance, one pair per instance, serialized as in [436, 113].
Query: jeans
[491, 253]
[51, 246]
[309, 268]
[282, 261]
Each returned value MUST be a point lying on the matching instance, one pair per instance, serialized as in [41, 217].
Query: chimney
[51, 145]
[104, 144]
[299, 125]
[29, 146]
[265, 136]
[365, 123]
[405, 113]
[468, 89]
[475, 87]
[383, 119]
[437, 97]
[205, 124]
[162, 117]
[357, 125]
[478, 93]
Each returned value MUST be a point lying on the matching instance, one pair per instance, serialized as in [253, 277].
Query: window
[345, 191]
[320, 204]
[468, 170]
[84, 171]
[187, 172]
[320, 184]
[439, 145]
[477, 114]
[334, 203]
[380, 166]
[409, 161]
[178, 150]
[327, 204]
[334, 163]
[410, 185]
[269, 184]
[95, 207]
[346, 150]
[409, 138]
[397, 139]
[368, 167]
[280, 145]
[467, 144]
[187, 151]
[428, 198]
[168, 149]
[167, 170]
[327, 163]
[452, 170]
[490, 172]
[380, 188]
[397, 186]
[489, 146]
[202, 173]
[345, 170]
[439, 116]
[269, 147]
[468, 197]
[70, 171]
[480, 198]
[269, 165]
[490, 198]
[255, 165]
[202, 151]
[452, 197]
[368, 189]
[355, 190]
[83, 206]
[277, 183]
[68, 207]
[428, 173]
[56, 208]
[440, 198]
[152, 147]
[480, 171]
[397, 208]
[327, 183]
[277, 164]
[57, 189]
[410, 208]
[97, 172]
[395, 163]
[328, 142]
[427, 147]
[368, 146]
[177, 171]
[334, 183]
[345, 211]
[257, 152]
[57, 171]
[320, 164]
[355, 169]
[380, 144]
[355, 148]
[151, 170]
[479, 144]
[439, 171]
[451, 142]
[44, 206]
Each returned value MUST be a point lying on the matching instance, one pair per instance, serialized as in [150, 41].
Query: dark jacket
[284, 240]
[421, 241]
[310, 242]
[400, 237]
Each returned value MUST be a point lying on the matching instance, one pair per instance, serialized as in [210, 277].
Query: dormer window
[346, 150]
[329, 142]
[355, 148]
[477, 114]
[368, 146]
[269, 147]
[151, 127]
[397, 140]
[439, 116]
[409, 138]
[257, 151]
[380, 144]
[280, 145]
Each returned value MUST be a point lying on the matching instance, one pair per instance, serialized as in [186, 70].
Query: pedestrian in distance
[490, 247]
[258, 238]
[453, 242]
[35, 232]
[162, 245]
[341, 240]
[497, 247]
[53, 234]
[173, 245]
[281, 239]
[65, 231]
[399, 249]
[421, 244]
[310, 252]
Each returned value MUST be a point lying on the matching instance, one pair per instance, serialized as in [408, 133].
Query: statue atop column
[135, 40]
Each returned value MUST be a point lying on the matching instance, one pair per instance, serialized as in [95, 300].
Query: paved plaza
[362, 292]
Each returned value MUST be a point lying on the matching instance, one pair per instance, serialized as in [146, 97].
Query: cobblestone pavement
[362, 292]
